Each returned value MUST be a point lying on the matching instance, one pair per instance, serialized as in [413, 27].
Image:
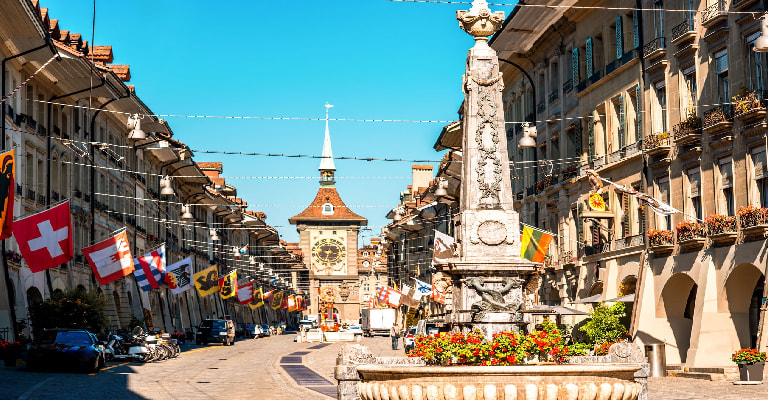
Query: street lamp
[761, 44]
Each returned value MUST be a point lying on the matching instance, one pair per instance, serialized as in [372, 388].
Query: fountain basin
[519, 382]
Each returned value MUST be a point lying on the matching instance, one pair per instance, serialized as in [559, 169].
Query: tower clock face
[328, 253]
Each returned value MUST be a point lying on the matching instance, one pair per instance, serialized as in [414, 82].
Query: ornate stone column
[486, 271]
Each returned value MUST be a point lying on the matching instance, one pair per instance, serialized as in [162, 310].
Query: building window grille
[619, 39]
[590, 58]
[575, 67]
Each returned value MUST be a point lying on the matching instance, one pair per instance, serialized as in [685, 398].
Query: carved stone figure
[493, 300]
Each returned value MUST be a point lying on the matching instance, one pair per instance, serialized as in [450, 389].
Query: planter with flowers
[722, 228]
[509, 366]
[688, 130]
[9, 352]
[690, 234]
[660, 241]
[754, 220]
[717, 120]
[751, 364]
[749, 107]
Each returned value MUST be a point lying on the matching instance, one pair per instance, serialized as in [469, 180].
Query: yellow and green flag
[534, 244]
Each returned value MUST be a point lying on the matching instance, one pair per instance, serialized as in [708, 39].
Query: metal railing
[712, 12]
[684, 28]
[656, 44]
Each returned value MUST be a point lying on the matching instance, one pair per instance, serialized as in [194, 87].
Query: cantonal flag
[258, 299]
[245, 293]
[228, 285]
[150, 269]
[534, 244]
[277, 300]
[110, 259]
[7, 185]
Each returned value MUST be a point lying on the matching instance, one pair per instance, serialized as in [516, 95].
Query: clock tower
[328, 232]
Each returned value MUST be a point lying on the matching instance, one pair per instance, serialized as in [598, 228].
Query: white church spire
[326, 162]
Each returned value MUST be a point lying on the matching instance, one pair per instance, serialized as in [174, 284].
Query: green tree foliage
[73, 309]
[605, 324]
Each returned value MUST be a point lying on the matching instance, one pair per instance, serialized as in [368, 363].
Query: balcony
[722, 229]
[717, 120]
[567, 86]
[750, 106]
[660, 241]
[30, 195]
[629, 241]
[754, 222]
[633, 149]
[690, 235]
[684, 32]
[540, 108]
[615, 157]
[656, 144]
[687, 131]
[598, 162]
[55, 196]
[619, 62]
[42, 199]
[714, 14]
[655, 48]
[553, 97]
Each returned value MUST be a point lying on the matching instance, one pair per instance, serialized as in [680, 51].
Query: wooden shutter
[627, 211]
[694, 179]
[636, 28]
[591, 138]
[619, 38]
[575, 67]
[638, 114]
[622, 122]
[759, 161]
[579, 221]
[590, 61]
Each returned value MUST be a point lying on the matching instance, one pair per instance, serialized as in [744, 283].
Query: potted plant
[689, 230]
[659, 237]
[719, 223]
[752, 216]
[9, 352]
[751, 363]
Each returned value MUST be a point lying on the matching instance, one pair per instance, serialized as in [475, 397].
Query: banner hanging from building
[110, 259]
[7, 186]
[277, 300]
[45, 238]
[207, 281]
[179, 276]
[534, 244]
[258, 299]
[228, 285]
[150, 269]
[245, 293]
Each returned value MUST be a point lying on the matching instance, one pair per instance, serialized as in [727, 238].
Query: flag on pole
[534, 244]
[268, 296]
[437, 295]
[228, 285]
[178, 277]
[45, 238]
[258, 299]
[245, 293]
[381, 297]
[284, 302]
[422, 289]
[277, 300]
[7, 186]
[393, 297]
[207, 281]
[372, 302]
[110, 259]
[659, 207]
[444, 248]
[150, 269]
[409, 297]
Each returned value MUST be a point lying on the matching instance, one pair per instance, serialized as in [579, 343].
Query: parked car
[66, 348]
[250, 331]
[357, 329]
[265, 330]
[216, 330]
[409, 339]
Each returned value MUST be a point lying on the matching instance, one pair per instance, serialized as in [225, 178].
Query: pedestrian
[395, 334]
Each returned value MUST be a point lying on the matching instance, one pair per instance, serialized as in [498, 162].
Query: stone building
[328, 235]
[663, 101]
[69, 127]
[372, 270]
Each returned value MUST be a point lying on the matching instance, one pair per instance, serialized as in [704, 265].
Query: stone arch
[81, 288]
[741, 297]
[677, 305]
[34, 296]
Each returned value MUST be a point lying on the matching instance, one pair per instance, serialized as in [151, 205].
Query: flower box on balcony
[750, 106]
[660, 241]
[717, 120]
[688, 130]
[690, 235]
[722, 228]
[754, 220]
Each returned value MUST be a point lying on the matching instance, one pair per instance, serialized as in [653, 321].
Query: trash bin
[657, 358]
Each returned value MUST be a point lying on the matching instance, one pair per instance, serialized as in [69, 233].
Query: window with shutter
[638, 114]
[622, 122]
[759, 162]
[575, 67]
[726, 173]
[619, 39]
[590, 61]
[635, 29]
[591, 137]
[627, 217]
[694, 180]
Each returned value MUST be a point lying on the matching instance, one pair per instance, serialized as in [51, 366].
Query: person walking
[395, 334]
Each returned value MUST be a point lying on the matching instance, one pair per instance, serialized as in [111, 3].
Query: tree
[72, 309]
[605, 324]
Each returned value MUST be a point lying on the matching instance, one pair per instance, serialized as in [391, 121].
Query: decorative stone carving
[626, 352]
[493, 300]
[479, 21]
[492, 233]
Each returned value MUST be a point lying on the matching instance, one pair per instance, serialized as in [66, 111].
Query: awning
[630, 298]
[591, 299]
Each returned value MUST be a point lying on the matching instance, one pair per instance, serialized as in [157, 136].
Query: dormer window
[327, 209]
[365, 254]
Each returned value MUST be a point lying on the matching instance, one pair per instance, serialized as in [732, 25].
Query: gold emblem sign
[328, 253]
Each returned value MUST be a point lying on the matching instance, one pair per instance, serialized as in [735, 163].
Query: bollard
[657, 358]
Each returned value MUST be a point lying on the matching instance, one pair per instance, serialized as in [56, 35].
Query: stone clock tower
[328, 232]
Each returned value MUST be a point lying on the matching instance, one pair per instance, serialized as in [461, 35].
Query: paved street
[269, 368]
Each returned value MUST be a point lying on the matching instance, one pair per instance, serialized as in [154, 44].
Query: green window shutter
[590, 61]
[619, 38]
[591, 138]
[636, 28]
[575, 67]
[622, 122]
[580, 222]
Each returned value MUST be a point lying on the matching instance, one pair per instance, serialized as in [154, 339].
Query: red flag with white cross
[45, 238]
[110, 259]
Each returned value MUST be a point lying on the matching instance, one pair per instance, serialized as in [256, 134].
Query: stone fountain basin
[523, 382]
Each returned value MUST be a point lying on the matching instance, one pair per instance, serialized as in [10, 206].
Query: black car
[66, 348]
[216, 330]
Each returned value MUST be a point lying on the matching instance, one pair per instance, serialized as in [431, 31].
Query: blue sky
[371, 59]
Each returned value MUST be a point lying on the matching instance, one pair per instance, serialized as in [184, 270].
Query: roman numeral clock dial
[328, 253]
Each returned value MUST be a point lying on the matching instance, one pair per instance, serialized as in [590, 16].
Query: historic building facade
[663, 102]
[328, 236]
[70, 146]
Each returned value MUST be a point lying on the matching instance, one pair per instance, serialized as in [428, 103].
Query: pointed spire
[326, 162]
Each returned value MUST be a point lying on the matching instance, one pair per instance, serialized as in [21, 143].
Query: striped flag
[150, 269]
[534, 244]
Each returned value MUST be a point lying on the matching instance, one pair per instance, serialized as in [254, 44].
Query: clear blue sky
[371, 59]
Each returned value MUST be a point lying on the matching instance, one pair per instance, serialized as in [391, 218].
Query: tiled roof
[102, 54]
[122, 71]
[315, 210]
[210, 165]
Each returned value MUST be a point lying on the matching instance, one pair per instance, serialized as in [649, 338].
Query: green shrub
[605, 324]
[72, 309]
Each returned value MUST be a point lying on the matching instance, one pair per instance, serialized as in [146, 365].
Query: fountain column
[487, 272]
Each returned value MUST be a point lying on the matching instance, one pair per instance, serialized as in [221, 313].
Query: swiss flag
[110, 259]
[45, 238]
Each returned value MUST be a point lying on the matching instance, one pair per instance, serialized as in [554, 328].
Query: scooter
[120, 348]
